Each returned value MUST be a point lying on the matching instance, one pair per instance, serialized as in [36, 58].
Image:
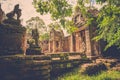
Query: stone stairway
[117, 66]
[112, 64]
[99, 65]
[25, 67]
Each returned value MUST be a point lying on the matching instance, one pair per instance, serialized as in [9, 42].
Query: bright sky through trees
[28, 10]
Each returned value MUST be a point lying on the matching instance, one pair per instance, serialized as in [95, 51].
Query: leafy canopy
[58, 9]
[37, 22]
[55, 26]
[109, 23]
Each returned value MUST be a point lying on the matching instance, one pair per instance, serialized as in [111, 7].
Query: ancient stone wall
[12, 41]
[12, 33]
[56, 41]
[95, 45]
[25, 68]
[66, 44]
[80, 41]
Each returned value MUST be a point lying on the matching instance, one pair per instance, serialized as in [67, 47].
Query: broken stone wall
[12, 41]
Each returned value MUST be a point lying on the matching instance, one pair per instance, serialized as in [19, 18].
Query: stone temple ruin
[19, 67]
[13, 37]
[12, 33]
[79, 41]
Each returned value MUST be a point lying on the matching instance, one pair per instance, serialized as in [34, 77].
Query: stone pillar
[62, 42]
[24, 43]
[54, 47]
[49, 46]
[60, 47]
[97, 47]
[88, 42]
[77, 43]
[71, 43]
[1, 14]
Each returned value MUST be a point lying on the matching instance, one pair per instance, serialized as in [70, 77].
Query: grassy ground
[75, 75]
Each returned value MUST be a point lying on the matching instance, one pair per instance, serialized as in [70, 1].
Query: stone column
[54, 46]
[49, 46]
[88, 42]
[1, 14]
[71, 43]
[24, 43]
[62, 42]
[77, 43]
[60, 46]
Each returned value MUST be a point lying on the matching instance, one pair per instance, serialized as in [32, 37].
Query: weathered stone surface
[92, 68]
[1, 14]
[12, 34]
[79, 41]
[24, 68]
[108, 62]
[12, 40]
[56, 41]
[116, 67]
[34, 51]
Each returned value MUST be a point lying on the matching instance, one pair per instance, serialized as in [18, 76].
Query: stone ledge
[92, 68]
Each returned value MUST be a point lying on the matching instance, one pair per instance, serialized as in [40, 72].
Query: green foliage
[44, 36]
[109, 24]
[70, 27]
[76, 75]
[36, 22]
[82, 9]
[82, 2]
[107, 21]
[90, 17]
[55, 26]
[60, 10]
[110, 2]
[57, 8]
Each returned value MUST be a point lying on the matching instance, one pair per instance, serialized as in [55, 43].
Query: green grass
[75, 75]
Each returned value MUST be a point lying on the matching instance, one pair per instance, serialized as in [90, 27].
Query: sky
[28, 9]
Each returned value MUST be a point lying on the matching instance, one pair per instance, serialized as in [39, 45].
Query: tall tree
[109, 23]
[55, 26]
[60, 10]
[36, 22]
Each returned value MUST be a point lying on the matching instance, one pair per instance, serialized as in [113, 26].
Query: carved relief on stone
[79, 20]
